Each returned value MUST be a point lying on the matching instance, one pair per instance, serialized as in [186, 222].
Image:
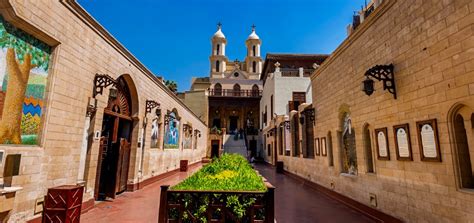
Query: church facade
[229, 98]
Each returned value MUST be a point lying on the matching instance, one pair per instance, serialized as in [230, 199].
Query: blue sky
[172, 37]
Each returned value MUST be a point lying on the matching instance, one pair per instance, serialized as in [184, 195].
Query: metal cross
[253, 27]
[219, 25]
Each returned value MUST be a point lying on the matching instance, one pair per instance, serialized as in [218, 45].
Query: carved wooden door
[102, 150]
[122, 166]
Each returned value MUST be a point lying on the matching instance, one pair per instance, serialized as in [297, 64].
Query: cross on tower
[253, 27]
[219, 25]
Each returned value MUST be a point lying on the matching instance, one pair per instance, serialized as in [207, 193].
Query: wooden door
[102, 149]
[122, 165]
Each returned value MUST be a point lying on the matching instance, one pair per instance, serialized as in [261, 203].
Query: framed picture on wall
[401, 134]
[324, 150]
[317, 147]
[428, 140]
[383, 152]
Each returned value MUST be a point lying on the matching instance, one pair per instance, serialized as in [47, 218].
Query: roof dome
[253, 35]
[219, 33]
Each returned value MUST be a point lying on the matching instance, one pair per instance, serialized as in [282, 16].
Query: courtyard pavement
[294, 202]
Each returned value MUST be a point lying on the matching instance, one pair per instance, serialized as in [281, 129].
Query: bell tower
[218, 60]
[253, 60]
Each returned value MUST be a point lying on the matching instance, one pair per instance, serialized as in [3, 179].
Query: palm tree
[172, 85]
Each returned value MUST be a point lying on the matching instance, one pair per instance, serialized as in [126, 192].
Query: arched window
[368, 149]
[218, 49]
[254, 67]
[217, 89]
[254, 50]
[348, 146]
[255, 90]
[462, 125]
[236, 90]
[217, 66]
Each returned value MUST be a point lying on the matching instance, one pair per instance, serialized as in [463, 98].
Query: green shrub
[231, 172]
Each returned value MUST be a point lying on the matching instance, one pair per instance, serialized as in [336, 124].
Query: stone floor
[139, 206]
[295, 203]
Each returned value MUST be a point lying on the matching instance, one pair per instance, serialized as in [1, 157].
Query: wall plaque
[317, 146]
[324, 151]
[402, 142]
[428, 140]
[383, 152]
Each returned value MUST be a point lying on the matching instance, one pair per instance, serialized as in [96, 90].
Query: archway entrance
[114, 150]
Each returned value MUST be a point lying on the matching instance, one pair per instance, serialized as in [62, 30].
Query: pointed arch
[255, 90]
[254, 67]
[369, 161]
[236, 90]
[217, 66]
[254, 50]
[461, 126]
[217, 89]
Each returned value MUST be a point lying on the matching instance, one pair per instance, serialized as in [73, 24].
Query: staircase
[235, 146]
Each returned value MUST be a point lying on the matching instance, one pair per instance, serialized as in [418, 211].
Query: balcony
[235, 93]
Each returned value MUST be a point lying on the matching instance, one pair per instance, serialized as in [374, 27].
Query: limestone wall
[431, 46]
[81, 48]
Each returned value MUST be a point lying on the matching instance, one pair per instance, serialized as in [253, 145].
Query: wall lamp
[382, 73]
[102, 81]
[150, 105]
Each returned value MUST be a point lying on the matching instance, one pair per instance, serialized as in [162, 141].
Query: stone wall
[82, 48]
[431, 46]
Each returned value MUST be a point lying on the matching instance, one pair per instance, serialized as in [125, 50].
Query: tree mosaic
[24, 64]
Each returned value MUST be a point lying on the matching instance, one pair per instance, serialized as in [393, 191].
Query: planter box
[63, 204]
[175, 204]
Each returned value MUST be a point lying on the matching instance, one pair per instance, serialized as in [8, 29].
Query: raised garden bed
[226, 190]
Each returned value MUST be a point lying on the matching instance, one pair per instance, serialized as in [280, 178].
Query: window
[217, 89]
[269, 150]
[255, 90]
[236, 90]
[218, 49]
[236, 74]
[280, 139]
[254, 50]
[462, 124]
[217, 66]
[265, 116]
[298, 99]
[254, 67]
[368, 149]
[271, 106]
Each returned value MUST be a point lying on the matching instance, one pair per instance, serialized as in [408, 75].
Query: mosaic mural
[24, 64]
[155, 133]
[171, 140]
[187, 140]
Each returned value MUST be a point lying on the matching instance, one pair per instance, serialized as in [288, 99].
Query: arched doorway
[114, 150]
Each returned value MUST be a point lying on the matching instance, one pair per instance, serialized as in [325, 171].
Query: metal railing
[235, 93]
